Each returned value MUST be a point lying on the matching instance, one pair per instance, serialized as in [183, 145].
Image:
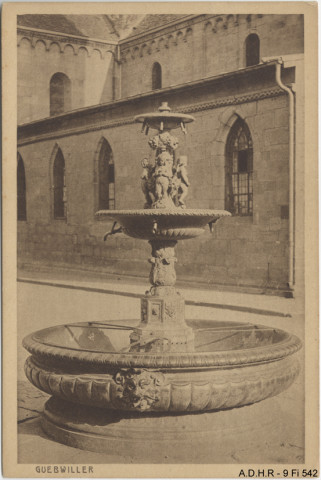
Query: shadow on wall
[110, 88]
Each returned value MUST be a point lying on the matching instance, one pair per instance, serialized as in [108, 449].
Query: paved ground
[46, 300]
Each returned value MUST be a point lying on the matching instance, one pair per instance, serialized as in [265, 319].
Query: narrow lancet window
[106, 173]
[252, 46]
[239, 170]
[60, 94]
[156, 76]
[60, 193]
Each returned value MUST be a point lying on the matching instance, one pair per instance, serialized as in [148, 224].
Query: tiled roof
[153, 21]
[93, 26]
[107, 27]
[124, 24]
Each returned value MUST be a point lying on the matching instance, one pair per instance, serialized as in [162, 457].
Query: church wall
[87, 66]
[201, 48]
[242, 251]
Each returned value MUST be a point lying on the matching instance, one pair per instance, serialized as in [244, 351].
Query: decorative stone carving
[181, 182]
[164, 180]
[163, 263]
[164, 224]
[163, 140]
[148, 182]
[138, 389]
[143, 314]
[203, 389]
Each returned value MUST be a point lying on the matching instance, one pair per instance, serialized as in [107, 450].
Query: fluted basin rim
[166, 212]
[219, 359]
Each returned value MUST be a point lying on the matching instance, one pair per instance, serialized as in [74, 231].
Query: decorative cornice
[62, 35]
[166, 36]
[156, 44]
[154, 41]
[217, 103]
[233, 100]
[162, 30]
[49, 38]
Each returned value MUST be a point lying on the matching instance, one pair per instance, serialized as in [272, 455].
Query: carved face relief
[138, 389]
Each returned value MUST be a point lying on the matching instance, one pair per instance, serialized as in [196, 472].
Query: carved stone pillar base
[162, 327]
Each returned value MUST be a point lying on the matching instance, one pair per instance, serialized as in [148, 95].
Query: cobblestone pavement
[30, 401]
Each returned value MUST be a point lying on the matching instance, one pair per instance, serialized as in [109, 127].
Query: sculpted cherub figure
[147, 182]
[163, 175]
[183, 182]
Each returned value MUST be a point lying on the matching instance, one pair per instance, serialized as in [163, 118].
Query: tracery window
[252, 47]
[239, 170]
[21, 190]
[59, 186]
[60, 94]
[106, 174]
[156, 76]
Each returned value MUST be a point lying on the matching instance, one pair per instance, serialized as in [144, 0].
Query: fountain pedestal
[162, 327]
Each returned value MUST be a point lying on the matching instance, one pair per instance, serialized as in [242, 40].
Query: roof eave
[170, 89]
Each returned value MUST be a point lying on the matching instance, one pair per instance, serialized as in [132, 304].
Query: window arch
[239, 170]
[106, 177]
[59, 186]
[156, 76]
[60, 94]
[21, 190]
[252, 48]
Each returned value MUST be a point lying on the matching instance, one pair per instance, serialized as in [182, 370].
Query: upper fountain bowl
[164, 224]
[164, 119]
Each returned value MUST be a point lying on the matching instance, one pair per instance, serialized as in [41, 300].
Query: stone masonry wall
[88, 66]
[246, 251]
[201, 48]
[189, 51]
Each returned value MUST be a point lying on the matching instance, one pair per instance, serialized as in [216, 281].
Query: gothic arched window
[252, 47]
[21, 190]
[156, 76]
[59, 186]
[239, 170]
[60, 94]
[106, 177]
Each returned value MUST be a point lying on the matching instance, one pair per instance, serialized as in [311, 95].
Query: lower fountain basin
[231, 365]
[164, 224]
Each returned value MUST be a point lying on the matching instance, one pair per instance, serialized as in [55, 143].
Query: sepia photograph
[163, 249]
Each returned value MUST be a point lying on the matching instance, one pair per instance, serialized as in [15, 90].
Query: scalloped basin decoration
[230, 365]
[164, 224]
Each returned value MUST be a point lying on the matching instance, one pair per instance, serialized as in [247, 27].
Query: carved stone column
[163, 263]
[162, 327]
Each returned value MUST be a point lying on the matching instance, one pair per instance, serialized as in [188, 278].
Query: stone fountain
[122, 385]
